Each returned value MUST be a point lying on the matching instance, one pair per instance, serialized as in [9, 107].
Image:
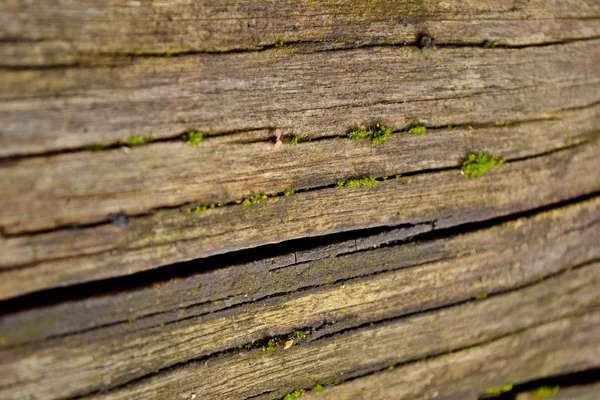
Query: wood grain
[171, 236]
[307, 95]
[113, 355]
[50, 33]
[369, 349]
[159, 175]
[567, 233]
[551, 349]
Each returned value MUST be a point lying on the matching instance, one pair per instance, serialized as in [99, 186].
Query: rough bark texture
[136, 266]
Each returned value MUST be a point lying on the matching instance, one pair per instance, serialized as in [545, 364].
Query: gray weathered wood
[308, 95]
[553, 349]
[173, 235]
[567, 234]
[369, 349]
[62, 367]
[50, 33]
[114, 182]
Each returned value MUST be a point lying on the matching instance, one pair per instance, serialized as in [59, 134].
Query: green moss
[257, 198]
[391, 368]
[545, 392]
[317, 388]
[496, 391]
[289, 140]
[289, 193]
[199, 209]
[269, 347]
[279, 43]
[294, 395]
[299, 334]
[418, 130]
[356, 183]
[378, 134]
[192, 138]
[475, 165]
[481, 296]
[137, 141]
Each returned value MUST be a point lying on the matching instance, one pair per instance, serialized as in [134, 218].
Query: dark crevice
[183, 270]
[314, 337]
[126, 58]
[579, 378]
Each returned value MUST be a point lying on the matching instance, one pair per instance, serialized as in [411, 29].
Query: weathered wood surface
[49, 33]
[463, 375]
[65, 257]
[309, 95]
[113, 182]
[110, 289]
[337, 300]
[588, 392]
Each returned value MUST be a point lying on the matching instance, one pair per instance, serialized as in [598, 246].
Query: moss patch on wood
[546, 392]
[256, 199]
[294, 395]
[137, 141]
[475, 165]
[192, 138]
[357, 183]
[378, 134]
[418, 130]
[496, 391]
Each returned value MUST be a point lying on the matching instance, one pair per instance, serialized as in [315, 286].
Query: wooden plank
[64, 367]
[50, 33]
[587, 392]
[567, 233]
[550, 349]
[372, 348]
[307, 95]
[173, 235]
[147, 178]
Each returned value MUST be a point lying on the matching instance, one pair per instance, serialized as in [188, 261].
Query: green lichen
[546, 392]
[356, 183]
[279, 43]
[378, 134]
[294, 395]
[481, 296]
[317, 388]
[137, 141]
[496, 391]
[269, 347]
[289, 193]
[418, 130]
[256, 199]
[192, 138]
[475, 165]
[391, 368]
[299, 334]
